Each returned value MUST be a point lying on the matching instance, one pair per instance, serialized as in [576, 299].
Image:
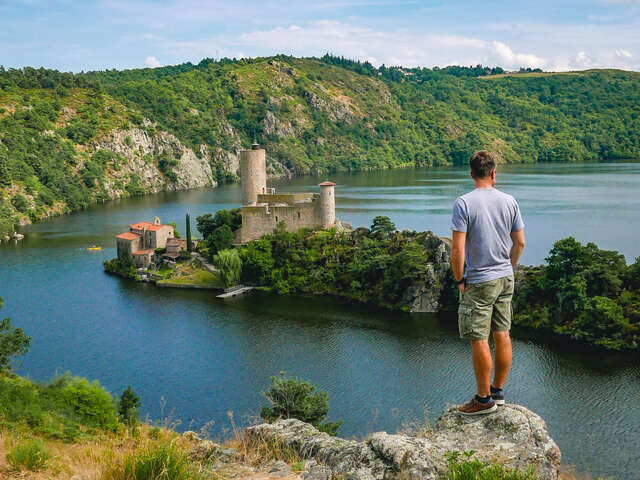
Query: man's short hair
[482, 163]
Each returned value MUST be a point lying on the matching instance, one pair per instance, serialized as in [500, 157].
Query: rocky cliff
[513, 436]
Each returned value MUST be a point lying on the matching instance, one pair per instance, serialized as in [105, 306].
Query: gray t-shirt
[488, 216]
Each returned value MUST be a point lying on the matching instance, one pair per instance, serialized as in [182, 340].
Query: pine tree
[189, 245]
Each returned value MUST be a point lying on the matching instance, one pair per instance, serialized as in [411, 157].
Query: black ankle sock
[495, 390]
[483, 399]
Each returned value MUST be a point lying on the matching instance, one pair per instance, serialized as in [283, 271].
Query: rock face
[513, 436]
[426, 294]
[140, 149]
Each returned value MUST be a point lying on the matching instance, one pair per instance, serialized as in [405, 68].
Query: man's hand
[461, 288]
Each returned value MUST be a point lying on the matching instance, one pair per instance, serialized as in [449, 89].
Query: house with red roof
[142, 239]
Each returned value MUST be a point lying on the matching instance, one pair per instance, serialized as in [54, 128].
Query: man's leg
[503, 358]
[482, 365]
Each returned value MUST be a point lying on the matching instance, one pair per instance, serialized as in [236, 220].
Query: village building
[142, 239]
[263, 208]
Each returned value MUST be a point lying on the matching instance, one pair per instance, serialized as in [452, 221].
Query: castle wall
[258, 220]
[253, 175]
[289, 198]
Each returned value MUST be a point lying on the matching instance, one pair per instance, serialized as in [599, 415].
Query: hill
[70, 140]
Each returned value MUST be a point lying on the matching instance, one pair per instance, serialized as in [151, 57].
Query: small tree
[188, 227]
[220, 239]
[229, 264]
[128, 406]
[13, 342]
[382, 226]
[291, 397]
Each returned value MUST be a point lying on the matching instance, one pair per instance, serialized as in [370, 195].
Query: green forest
[311, 114]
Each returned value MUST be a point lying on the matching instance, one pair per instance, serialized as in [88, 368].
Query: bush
[20, 203]
[291, 397]
[88, 401]
[157, 462]
[29, 454]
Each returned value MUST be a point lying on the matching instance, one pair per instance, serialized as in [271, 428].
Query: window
[276, 219]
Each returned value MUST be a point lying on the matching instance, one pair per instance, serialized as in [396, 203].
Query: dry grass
[86, 460]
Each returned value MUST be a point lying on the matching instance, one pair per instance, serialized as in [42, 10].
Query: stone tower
[253, 174]
[327, 204]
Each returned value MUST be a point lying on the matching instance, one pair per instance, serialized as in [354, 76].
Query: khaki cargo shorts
[485, 307]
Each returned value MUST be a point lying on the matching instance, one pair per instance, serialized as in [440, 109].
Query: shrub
[29, 454]
[291, 397]
[157, 462]
[88, 401]
[20, 203]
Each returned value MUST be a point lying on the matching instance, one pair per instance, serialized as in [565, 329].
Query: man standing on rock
[488, 233]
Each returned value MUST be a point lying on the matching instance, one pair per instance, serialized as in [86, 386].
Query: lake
[193, 358]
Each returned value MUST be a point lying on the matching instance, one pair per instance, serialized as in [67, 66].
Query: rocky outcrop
[142, 150]
[428, 293]
[513, 436]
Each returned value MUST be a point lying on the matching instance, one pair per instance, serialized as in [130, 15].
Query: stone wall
[261, 219]
[124, 246]
[253, 175]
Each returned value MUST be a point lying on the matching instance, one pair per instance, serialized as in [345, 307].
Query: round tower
[253, 174]
[327, 204]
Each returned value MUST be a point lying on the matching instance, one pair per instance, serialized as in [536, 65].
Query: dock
[234, 292]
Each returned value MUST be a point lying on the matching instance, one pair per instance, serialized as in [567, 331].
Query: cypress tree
[188, 221]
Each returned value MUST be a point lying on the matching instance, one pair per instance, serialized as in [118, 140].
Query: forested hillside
[69, 140]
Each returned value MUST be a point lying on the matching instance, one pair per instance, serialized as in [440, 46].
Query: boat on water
[94, 247]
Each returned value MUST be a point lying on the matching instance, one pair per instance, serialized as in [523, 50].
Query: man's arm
[457, 256]
[517, 238]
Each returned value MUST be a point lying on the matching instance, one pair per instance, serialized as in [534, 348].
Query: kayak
[94, 247]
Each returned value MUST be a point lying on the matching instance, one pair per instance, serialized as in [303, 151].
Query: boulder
[513, 436]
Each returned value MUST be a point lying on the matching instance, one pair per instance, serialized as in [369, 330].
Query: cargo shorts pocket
[465, 320]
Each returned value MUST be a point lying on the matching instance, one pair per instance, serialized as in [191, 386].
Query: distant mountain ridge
[70, 140]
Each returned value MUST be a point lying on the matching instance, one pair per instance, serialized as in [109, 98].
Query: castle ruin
[263, 208]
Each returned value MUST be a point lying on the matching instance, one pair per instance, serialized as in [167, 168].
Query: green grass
[157, 462]
[474, 469]
[200, 278]
[30, 454]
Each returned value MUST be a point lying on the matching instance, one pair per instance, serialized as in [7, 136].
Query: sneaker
[498, 398]
[474, 407]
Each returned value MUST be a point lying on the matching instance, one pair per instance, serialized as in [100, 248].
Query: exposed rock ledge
[513, 436]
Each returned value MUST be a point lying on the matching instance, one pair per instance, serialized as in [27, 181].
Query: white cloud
[503, 55]
[152, 62]
[623, 53]
[399, 47]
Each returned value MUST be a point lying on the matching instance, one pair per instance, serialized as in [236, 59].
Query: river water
[193, 358]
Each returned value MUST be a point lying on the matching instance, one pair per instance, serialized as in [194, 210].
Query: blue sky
[95, 35]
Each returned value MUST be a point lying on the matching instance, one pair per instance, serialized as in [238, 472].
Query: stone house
[174, 247]
[142, 239]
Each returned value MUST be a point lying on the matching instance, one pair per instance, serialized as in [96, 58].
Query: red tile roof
[155, 228]
[326, 184]
[128, 236]
[141, 225]
[147, 251]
